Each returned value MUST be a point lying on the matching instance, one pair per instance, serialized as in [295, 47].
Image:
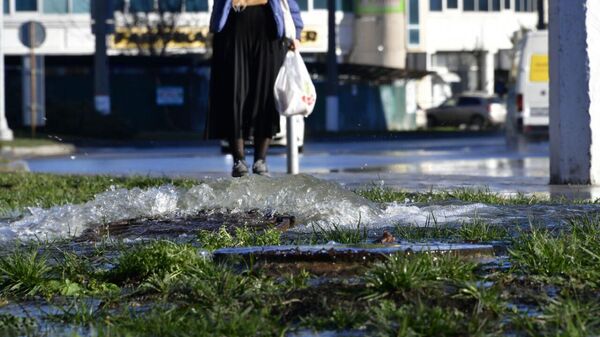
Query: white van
[529, 101]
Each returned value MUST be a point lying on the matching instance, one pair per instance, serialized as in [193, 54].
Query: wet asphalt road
[441, 162]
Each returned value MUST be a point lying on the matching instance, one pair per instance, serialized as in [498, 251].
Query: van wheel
[477, 123]
[301, 149]
[431, 122]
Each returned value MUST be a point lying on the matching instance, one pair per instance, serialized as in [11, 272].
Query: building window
[303, 4]
[469, 5]
[435, 5]
[414, 37]
[413, 12]
[507, 4]
[25, 5]
[119, 5]
[340, 5]
[484, 5]
[6, 6]
[348, 6]
[196, 5]
[80, 6]
[496, 5]
[141, 5]
[170, 5]
[320, 4]
[56, 6]
[452, 4]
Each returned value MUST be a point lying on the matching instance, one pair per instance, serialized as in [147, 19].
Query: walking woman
[248, 50]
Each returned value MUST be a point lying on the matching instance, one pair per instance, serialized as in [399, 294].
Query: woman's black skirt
[247, 56]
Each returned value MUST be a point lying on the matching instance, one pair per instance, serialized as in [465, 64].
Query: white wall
[463, 31]
[457, 31]
[70, 34]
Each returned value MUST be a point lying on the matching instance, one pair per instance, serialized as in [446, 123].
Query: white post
[332, 113]
[574, 91]
[5, 132]
[292, 146]
[489, 66]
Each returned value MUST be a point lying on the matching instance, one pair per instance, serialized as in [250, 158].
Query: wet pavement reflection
[441, 163]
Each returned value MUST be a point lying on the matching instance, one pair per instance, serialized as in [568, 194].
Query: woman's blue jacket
[221, 10]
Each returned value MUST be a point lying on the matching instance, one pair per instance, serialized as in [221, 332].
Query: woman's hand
[295, 45]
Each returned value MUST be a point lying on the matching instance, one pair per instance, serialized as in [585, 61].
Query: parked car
[476, 110]
[279, 139]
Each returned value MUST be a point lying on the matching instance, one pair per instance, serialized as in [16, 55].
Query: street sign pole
[102, 102]
[5, 132]
[33, 83]
[33, 34]
[332, 113]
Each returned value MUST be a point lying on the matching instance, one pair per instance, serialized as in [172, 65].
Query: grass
[157, 259]
[401, 272]
[477, 195]
[562, 317]
[23, 272]
[17, 326]
[481, 231]
[167, 288]
[194, 322]
[342, 317]
[20, 190]
[242, 237]
[571, 255]
[391, 319]
[339, 234]
[476, 230]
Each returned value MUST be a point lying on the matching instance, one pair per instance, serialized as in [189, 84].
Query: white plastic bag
[295, 92]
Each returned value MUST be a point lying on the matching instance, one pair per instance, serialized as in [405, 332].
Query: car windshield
[469, 101]
[450, 102]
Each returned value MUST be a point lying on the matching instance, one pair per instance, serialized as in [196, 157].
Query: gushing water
[310, 200]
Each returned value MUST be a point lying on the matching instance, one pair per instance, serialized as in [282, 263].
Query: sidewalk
[14, 153]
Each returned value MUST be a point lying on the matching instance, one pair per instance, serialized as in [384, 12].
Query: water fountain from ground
[311, 201]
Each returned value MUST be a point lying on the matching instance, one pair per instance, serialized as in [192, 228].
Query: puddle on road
[311, 201]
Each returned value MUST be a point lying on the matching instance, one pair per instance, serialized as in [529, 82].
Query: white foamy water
[311, 200]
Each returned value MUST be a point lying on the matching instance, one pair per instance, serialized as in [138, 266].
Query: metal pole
[101, 70]
[332, 119]
[32, 83]
[5, 132]
[292, 146]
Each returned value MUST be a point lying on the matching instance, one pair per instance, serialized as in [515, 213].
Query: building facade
[421, 51]
[465, 45]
